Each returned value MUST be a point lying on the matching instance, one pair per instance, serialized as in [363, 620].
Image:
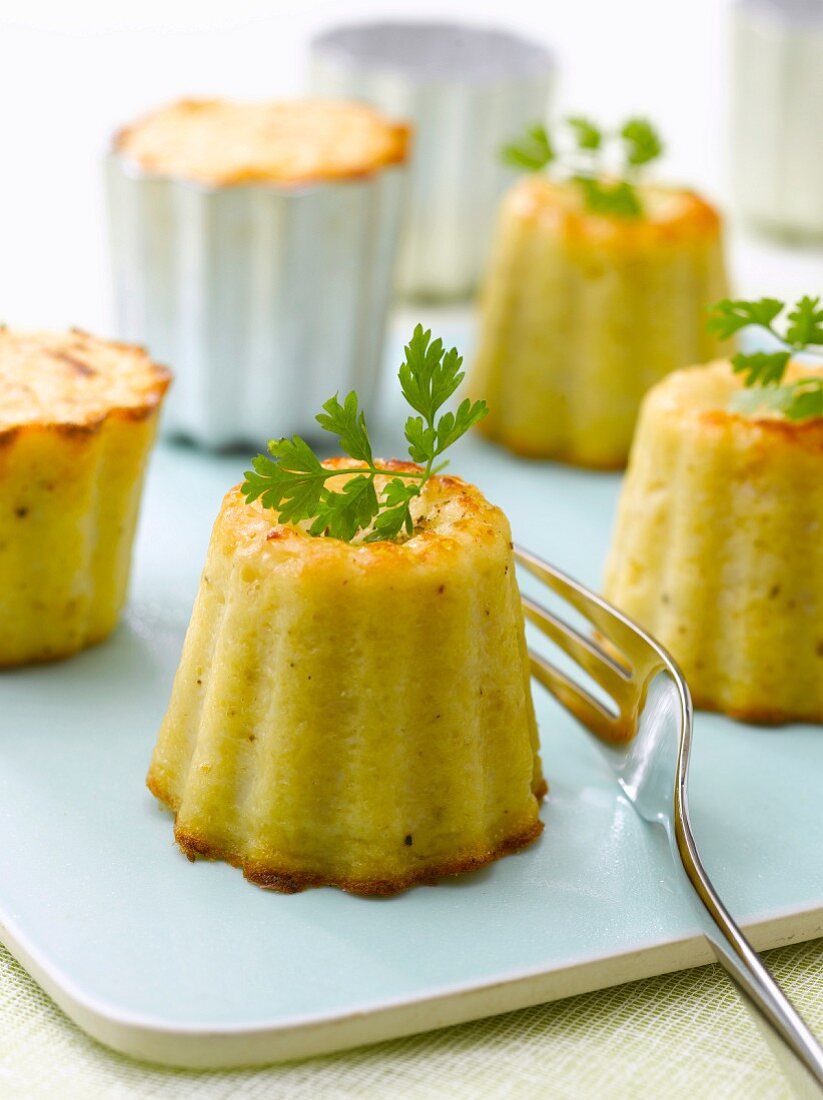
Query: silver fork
[646, 738]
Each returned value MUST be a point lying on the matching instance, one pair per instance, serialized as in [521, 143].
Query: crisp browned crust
[700, 396]
[450, 515]
[220, 143]
[772, 430]
[758, 716]
[671, 215]
[78, 431]
[290, 882]
[70, 384]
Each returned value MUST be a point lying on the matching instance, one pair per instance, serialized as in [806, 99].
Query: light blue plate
[189, 964]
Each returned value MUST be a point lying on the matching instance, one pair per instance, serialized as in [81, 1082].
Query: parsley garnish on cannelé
[292, 480]
[764, 371]
[604, 164]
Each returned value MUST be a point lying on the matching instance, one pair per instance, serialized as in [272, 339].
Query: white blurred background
[71, 73]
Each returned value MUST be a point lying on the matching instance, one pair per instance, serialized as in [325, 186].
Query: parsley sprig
[604, 164]
[764, 371]
[292, 480]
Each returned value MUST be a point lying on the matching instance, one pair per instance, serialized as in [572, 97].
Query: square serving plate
[188, 964]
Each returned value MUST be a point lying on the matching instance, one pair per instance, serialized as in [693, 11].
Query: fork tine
[589, 711]
[614, 729]
[611, 625]
[599, 664]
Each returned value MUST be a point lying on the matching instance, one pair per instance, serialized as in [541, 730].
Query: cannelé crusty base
[581, 314]
[355, 715]
[77, 420]
[293, 882]
[717, 549]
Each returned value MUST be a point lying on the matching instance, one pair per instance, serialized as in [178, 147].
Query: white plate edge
[201, 1047]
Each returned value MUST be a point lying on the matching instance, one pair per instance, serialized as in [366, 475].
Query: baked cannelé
[77, 419]
[717, 548]
[352, 707]
[587, 303]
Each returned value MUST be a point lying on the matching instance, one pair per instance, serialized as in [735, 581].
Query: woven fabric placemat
[681, 1035]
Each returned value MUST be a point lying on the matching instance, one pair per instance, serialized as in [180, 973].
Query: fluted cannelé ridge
[718, 547]
[354, 714]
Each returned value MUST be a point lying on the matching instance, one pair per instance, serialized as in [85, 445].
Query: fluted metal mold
[777, 113]
[478, 92]
[264, 299]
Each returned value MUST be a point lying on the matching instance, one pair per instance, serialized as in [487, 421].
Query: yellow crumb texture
[221, 143]
[718, 547]
[77, 419]
[581, 314]
[354, 714]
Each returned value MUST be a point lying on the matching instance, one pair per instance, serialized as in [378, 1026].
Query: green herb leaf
[807, 323]
[422, 440]
[806, 399]
[729, 316]
[397, 516]
[587, 134]
[532, 152]
[292, 480]
[642, 141]
[348, 424]
[801, 400]
[429, 375]
[605, 190]
[342, 514]
[761, 368]
[453, 425]
[618, 199]
[764, 371]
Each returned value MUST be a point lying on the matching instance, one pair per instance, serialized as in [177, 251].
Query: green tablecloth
[682, 1035]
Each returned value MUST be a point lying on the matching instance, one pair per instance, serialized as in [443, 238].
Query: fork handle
[798, 1050]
